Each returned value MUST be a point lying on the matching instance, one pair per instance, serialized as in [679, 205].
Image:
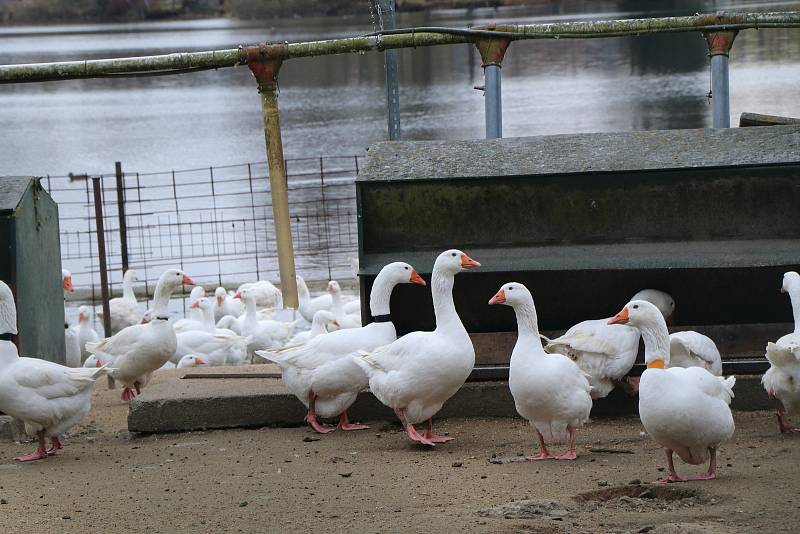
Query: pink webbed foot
[704, 476]
[127, 394]
[320, 429]
[540, 456]
[567, 455]
[434, 438]
[38, 455]
[56, 445]
[345, 424]
[672, 477]
[414, 435]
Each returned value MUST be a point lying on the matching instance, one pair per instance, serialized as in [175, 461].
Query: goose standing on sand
[607, 352]
[140, 349]
[416, 374]
[49, 398]
[549, 390]
[782, 379]
[685, 410]
[321, 374]
[124, 310]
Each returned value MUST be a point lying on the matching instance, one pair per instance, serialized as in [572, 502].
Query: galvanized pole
[123, 227]
[719, 46]
[101, 252]
[264, 61]
[492, 51]
[386, 14]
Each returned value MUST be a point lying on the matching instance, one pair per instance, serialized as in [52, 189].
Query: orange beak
[188, 281]
[219, 300]
[416, 278]
[236, 296]
[67, 283]
[498, 298]
[620, 318]
[81, 316]
[468, 263]
[330, 287]
[335, 323]
[199, 361]
[195, 304]
[144, 321]
[98, 364]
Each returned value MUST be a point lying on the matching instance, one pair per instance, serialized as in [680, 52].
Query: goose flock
[327, 357]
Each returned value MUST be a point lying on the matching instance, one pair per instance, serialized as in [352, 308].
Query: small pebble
[242, 504]
[635, 482]
[65, 517]
[309, 439]
[483, 476]
[457, 464]
[346, 475]
[603, 483]
[646, 529]
[3, 501]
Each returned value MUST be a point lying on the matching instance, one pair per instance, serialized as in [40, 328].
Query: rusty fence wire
[215, 223]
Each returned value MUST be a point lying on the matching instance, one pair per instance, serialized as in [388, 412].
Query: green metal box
[30, 263]
[587, 220]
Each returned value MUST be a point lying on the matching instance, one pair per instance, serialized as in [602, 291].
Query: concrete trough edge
[233, 409]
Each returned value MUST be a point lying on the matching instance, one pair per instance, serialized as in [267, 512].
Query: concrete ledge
[12, 430]
[193, 404]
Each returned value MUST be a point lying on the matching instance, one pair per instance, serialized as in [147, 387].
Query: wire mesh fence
[215, 223]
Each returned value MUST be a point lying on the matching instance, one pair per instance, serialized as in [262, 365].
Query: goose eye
[406, 268]
[510, 288]
[635, 306]
[453, 254]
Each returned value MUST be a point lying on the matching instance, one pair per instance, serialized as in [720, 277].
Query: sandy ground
[376, 480]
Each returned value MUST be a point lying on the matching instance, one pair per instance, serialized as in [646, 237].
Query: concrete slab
[183, 404]
[12, 430]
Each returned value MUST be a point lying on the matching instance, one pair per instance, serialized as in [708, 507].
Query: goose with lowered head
[49, 398]
[124, 310]
[140, 349]
[345, 320]
[607, 352]
[321, 374]
[549, 390]
[416, 374]
[685, 410]
[782, 379]
[322, 321]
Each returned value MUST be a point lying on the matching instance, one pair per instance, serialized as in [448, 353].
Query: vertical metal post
[101, 252]
[265, 62]
[719, 46]
[492, 52]
[386, 13]
[123, 227]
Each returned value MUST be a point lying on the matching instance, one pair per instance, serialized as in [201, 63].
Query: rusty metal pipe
[101, 252]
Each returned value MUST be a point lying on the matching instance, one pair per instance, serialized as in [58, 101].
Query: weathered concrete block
[12, 429]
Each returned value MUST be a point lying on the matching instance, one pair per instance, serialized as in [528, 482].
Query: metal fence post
[386, 14]
[492, 52]
[101, 251]
[265, 62]
[719, 46]
[123, 227]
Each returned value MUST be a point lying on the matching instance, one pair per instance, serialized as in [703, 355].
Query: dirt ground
[376, 480]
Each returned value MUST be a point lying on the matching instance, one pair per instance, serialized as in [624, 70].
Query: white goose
[66, 282]
[693, 349]
[549, 390]
[215, 348]
[319, 326]
[308, 306]
[195, 314]
[606, 352]
[265, 293]
[416, 374]
[685, 410]
[124, 310]
[86, 334]
[49, 398]
[225, 304]
[320, 373]
[140, 349]
[190, 360]
[71, 343]
[782, 379]
[345, 319]
[264, 334]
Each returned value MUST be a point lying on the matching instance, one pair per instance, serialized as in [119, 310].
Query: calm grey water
[335, 105]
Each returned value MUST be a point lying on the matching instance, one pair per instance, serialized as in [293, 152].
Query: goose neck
[127, 289]
[443, 305]
[794, 297]
[250, 312]
[208, 317]
[161, 299]
[381, 294]
[527, 321]
[656, 342]
[317, 326]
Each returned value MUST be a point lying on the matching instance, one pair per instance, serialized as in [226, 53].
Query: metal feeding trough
[585, 221]
[30, 263]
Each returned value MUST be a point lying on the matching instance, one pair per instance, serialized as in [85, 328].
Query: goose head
[662, 300]
[512, 294]
[147, 317]
[197, 292]
[791, 282]
[171, 279]
[647, 318]
[333, 287]
[8, 312]
[401, 273]
[66, 281]
[201, 304]
[325, 318]
[191, 360]
[130, 276]
[245, 295]
[220, 294]
[454, 261]
[92, 361]
[83, 314]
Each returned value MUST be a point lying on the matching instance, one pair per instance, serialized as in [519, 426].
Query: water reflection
[335, 104]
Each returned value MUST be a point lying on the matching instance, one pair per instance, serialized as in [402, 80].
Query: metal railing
[215, 223]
